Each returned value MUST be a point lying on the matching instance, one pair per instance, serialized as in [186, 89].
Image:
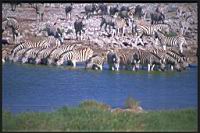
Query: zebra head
[165, 28]
[162, 65]
[177, 66]
[24, 60]
[37, 60]
[88, 63]
[60, 62]
[49, 61]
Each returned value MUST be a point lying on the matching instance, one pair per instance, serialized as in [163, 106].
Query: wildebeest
[138, 11]
[157, 17]
[103, 8]
[90, 9]
[68, 10]
[78, 26]
[108, 21]
[113, 10]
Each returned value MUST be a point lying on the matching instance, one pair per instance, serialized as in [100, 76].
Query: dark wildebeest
[103, 8]
[113, 10]
[138, 11]
[68, 10]
[78, 26]
[157, 17]
[90, 9]
[108, 21]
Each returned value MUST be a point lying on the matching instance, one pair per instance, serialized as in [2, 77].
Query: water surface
[29, 87]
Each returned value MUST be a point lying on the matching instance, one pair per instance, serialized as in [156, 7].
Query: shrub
[131, 103]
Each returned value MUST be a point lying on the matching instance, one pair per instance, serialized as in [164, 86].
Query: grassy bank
[98, 117]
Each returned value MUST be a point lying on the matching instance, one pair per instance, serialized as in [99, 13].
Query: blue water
[29, 87]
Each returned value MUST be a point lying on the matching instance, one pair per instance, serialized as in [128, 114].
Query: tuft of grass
[131, 103]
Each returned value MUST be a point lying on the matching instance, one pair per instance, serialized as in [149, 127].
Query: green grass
[93, 116]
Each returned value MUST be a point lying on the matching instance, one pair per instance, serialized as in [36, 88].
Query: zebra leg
[74, 63]
[149, 66]
[172, 67]
[164, 47]
[136, 40]
[101, 67]
[181, 47]
[152, 67]
[156, 42]
[133, 68]
[141, 41]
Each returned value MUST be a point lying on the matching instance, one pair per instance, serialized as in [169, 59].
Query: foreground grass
[98, 117]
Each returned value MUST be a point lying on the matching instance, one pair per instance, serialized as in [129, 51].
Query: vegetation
[93, 116]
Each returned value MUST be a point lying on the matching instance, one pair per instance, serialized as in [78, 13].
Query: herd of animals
[53, 50]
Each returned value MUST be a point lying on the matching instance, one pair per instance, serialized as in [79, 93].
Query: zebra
[149, 30]
[39, 8]
[43, 54]
[128, 58]
[56, 32]
[13, 24]
[31, 54]
[171, 41]
[146, 57]
[44, 43]
[5, 55]
[172, 58]
[55, 54]
[78, 55]
[18, 55]
[108, 21]
[120, 24]
[113, 60]
[68, 10]
[182, 59]
[96, 61]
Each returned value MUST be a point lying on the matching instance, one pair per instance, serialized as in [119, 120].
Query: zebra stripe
[149, 30]
[45, 43]
[146, 57]
[13, 24]
[55, 54]
[43, 54]
[78, 55]
[172, 41]
[31, 54]
[95, 62]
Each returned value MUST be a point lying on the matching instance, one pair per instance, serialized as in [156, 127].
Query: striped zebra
[171, 58]
[55, 54]
[43, 54]
[44, 43]
[96, 61]
[19, 55]
[174, 41]
[128, 58]
[150, 59]
[171, 53]
[182, 59]
[149, 30]
[81, 54]
[120, 24]
[31, 54]
[5, 55]
[113, 60]
[13, 24]
[39, 8]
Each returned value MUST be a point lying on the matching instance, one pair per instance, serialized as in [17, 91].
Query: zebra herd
[53, 50]
[49, 52]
